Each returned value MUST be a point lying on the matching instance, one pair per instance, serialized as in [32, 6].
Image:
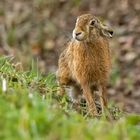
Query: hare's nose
[77, 34]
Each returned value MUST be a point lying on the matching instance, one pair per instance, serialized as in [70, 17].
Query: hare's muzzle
[78, 35]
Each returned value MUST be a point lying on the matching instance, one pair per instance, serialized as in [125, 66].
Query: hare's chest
[85, 68]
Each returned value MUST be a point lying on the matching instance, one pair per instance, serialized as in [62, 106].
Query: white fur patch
[73, 34]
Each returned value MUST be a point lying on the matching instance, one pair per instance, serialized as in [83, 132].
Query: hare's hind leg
[75, 93]
[61, 90]
[63, 79]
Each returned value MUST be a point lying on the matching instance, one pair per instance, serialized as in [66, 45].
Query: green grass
[26, 114]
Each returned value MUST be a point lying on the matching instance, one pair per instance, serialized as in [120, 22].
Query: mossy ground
[30, 109]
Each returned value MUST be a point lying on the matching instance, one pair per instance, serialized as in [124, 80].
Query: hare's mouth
[80, 36]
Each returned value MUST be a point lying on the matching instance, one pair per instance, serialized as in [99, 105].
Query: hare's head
[89, 27]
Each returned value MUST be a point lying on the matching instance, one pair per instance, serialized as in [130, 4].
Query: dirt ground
[39, 29]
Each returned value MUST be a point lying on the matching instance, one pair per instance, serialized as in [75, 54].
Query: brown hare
[85, 63]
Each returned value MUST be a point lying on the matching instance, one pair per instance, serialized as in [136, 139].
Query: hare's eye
[92, 22]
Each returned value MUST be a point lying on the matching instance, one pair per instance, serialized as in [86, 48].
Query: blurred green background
[38, 30]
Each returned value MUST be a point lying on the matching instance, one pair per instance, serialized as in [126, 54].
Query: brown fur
[86, 63]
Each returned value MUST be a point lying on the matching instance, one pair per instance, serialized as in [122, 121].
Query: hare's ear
[106, 31]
